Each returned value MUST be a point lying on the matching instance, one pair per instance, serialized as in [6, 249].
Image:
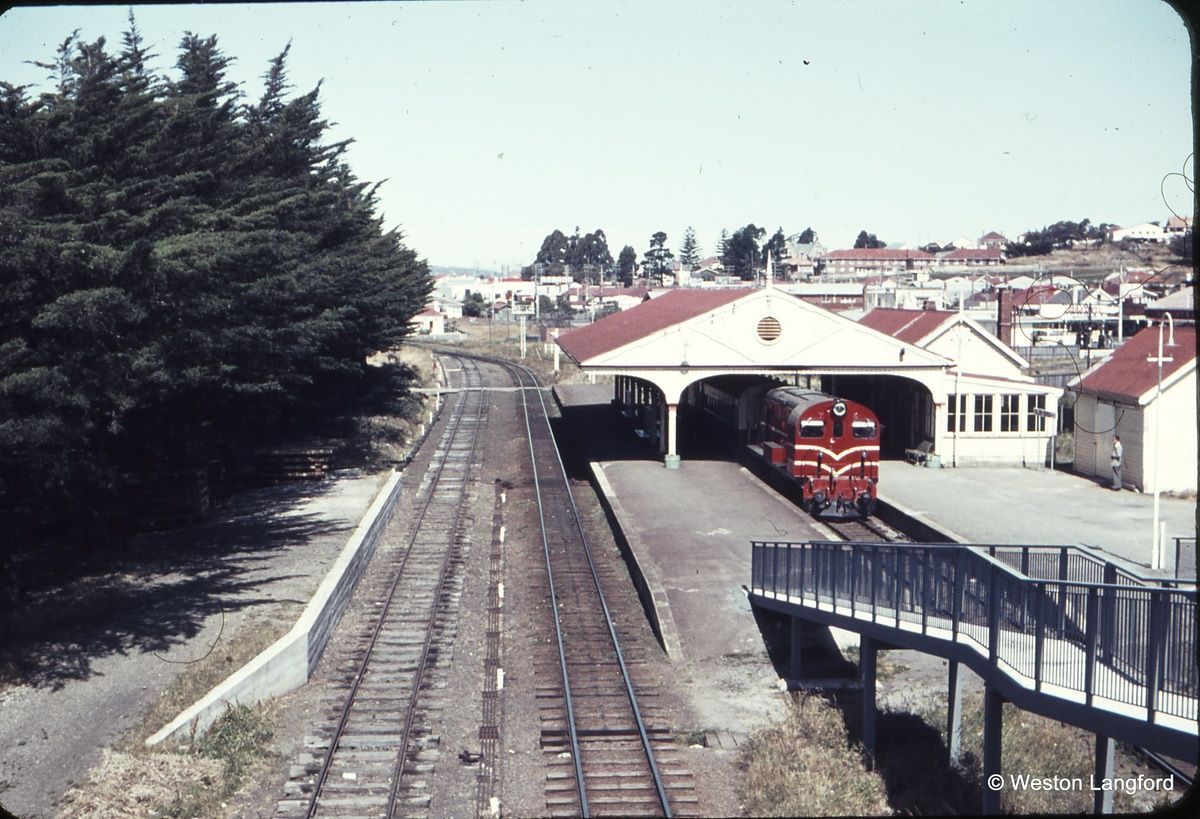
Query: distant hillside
[1099, 261]
[439, 270]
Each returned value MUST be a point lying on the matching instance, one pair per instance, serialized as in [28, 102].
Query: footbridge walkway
[1056, 630]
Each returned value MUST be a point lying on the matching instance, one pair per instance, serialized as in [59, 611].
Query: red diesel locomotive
[827, 445]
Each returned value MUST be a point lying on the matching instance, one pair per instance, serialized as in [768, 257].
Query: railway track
[377, 758]
[867, 530]
[604, 755]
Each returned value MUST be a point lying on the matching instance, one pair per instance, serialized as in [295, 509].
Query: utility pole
[1155, 535]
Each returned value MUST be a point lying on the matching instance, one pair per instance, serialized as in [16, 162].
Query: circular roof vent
[769, 329]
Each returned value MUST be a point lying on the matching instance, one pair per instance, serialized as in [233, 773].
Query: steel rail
[572, 729]
[327, 762]
[628, 684]
[410, 711]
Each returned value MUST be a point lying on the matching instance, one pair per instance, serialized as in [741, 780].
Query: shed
[1121, 396]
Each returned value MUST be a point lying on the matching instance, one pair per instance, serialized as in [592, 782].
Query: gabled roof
[1127, 376]
[992, 235]
[922, 327]
[905, 325]
[1179, 222]
[620, 329]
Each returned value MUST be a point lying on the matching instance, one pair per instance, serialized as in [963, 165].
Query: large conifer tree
[181, 270]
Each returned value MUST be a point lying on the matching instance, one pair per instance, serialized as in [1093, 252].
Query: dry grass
[232, 652]
[142, 784]
[805, 766]
[186, 780]
[503, 342]
[1042, 747]
[196, 782]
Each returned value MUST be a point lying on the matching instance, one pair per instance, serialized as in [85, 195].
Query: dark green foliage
[742, 255]
[1059, 235]
[868, 240]
[658, 257]
[182, 273]
[807, 236]
[1183, 246]
[626, 263]
[689, 249]
[776, 246]
[585, 257]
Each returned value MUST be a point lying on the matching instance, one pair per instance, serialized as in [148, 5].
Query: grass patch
[806, 766]
[230, 653]
[186, 784]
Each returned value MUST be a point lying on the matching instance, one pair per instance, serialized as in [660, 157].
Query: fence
[1059, 617]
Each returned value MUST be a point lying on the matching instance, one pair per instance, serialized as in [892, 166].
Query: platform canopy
[687, 335]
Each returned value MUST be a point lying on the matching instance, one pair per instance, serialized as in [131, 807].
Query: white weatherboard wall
[286, 663]
[1175, 414]
[1097, 419]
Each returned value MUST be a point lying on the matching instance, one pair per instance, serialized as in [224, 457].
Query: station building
[662, 354]
[1122, 396]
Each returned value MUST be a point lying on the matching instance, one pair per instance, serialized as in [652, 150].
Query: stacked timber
[169, 500]
[287, 464]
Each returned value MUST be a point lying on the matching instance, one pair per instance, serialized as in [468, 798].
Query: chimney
[1004, 315]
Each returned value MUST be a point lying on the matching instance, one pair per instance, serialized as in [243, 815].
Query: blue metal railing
[1119, 638]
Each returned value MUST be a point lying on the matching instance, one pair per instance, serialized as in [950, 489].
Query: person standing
[1118, 459]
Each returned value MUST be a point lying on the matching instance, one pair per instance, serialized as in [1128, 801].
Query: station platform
[689, 529]
[1039, 506]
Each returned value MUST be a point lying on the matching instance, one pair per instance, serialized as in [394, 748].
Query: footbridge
[1056, 630]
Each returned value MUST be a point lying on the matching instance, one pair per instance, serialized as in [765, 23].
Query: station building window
[956, 413]
[983, 413]
[1035, 421]
[1010, 415]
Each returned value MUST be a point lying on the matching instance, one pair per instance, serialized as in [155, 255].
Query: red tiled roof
[621, 328]
[1128, 375]
[876, 254]
[973, 253]
[1040, 294]
[909, 326]
[991, 235]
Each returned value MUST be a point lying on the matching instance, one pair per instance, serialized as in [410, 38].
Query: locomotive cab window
[863, 429]
[812, 428]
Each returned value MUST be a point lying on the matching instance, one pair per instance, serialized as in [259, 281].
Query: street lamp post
[1155, 536]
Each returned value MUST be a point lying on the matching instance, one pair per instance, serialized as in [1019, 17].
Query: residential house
[429, 321]
[1145, 232]
[992, 241]
[1177, 226]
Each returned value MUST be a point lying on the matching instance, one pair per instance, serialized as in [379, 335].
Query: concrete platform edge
[914, 524]
[645, 576]
[285, 664]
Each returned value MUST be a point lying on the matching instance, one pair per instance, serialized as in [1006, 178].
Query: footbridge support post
[867, 650]
[993, 784]
[954, 715]
[1105, 762]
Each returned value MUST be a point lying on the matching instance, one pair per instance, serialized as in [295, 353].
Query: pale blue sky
[919, 121]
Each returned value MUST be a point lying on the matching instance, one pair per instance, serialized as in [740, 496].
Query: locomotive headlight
[839, 409]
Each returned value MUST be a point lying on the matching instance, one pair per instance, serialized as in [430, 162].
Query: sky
[496, 122]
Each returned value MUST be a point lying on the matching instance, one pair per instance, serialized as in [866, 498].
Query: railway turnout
[1056, 630]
